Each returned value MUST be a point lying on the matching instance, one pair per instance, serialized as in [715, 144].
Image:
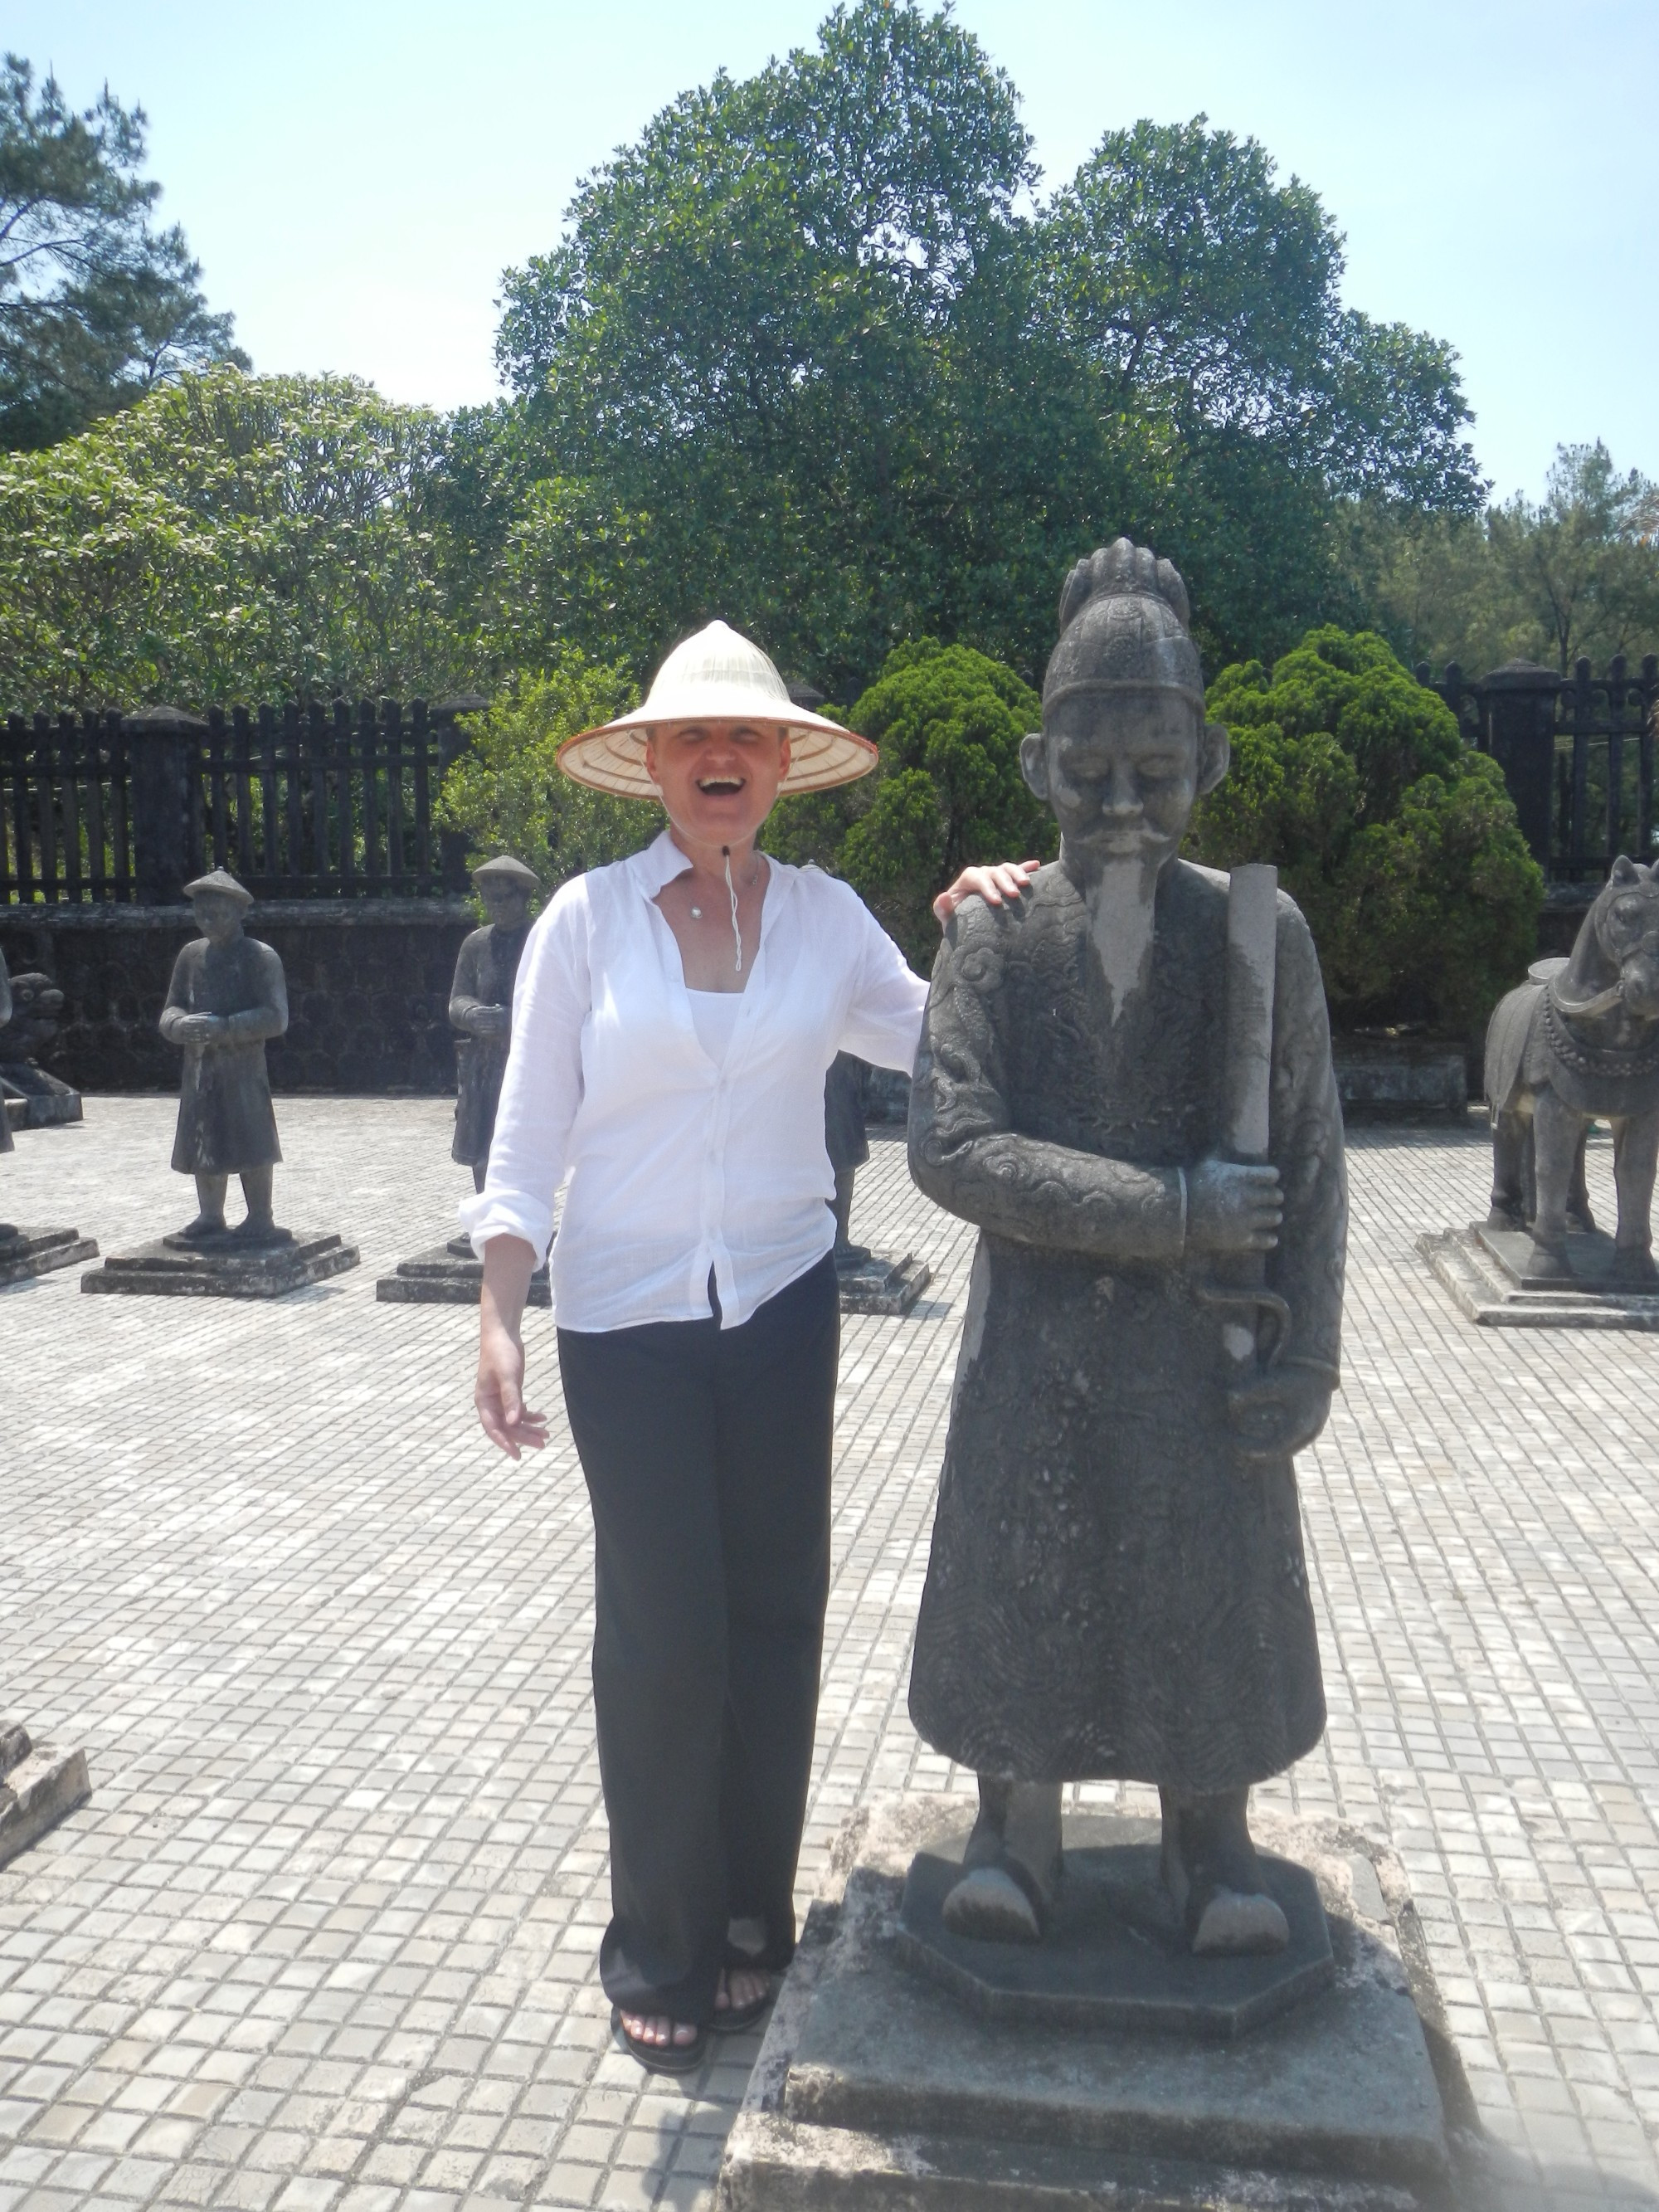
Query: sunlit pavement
[325, 1935]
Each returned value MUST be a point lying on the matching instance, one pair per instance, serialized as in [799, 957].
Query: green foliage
[1401, 846]
[802, 360]
[1577, 574]
[507, 794]
[228, 537]
[949, 790]
[96, 308]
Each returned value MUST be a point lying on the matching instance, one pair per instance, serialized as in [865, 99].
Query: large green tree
[230, 537]
[809, 357]
[97, 305]
[1574, 573]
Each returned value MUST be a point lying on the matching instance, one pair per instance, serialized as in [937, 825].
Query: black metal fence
[1577, 753]
[317, 802]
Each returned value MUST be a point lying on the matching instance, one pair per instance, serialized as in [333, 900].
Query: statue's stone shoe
[1633, 1264]
[1231, 1924]
[1506, 1216]
[989, 1905]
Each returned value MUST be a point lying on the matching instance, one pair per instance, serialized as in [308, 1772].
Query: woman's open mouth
[720, 786]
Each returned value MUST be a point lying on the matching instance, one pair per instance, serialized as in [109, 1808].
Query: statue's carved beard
[1121, 908]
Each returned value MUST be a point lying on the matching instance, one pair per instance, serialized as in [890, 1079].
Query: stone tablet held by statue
[1116, 1588]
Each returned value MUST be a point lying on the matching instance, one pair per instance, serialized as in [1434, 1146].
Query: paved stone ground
[325, 1935]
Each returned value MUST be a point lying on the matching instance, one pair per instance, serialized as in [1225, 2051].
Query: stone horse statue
[1578, 1041]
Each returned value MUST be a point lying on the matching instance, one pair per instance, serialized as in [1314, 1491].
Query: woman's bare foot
[739, 1986]
[658, 2031]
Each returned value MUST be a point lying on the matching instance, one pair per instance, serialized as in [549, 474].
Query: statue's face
[507, 903]
[1123, 771]
[218, 916]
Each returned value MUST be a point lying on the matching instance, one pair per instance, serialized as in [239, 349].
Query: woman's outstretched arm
[499, 1392]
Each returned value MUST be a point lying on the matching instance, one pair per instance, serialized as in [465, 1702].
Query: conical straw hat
[717, 676]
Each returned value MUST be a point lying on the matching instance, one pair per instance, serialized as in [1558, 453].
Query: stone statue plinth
[1492, 1280]
[880, 2088]
[448, 1274]
[225, 1268]
[875, 1284]
[25, 1253]
[39, 1784]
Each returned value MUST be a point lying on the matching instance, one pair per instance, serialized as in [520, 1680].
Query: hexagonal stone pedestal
[878, 2088]
[1116, 1955]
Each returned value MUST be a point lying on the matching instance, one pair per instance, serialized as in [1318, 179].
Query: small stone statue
[226, 997]
[481, 1005]
[1579, 1040]
[36, 1003]
[8, 1231]
[1116, 1588]
[848, 1147]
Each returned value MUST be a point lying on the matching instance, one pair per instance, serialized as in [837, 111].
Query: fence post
[1517, 703]
[452, 744]
[161, 745]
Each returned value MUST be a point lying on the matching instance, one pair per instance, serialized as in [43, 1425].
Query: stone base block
[258, 1271]
[28, 1252]
[880, 1286]
[1485, 1271]
[1400, 1080]
[878, 2090]
[35, 1100]
[448, 1274]
[37, 1791]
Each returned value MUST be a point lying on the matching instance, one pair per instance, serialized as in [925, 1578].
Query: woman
[674, 1018]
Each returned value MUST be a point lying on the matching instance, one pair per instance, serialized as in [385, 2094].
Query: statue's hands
[1231, 1208]
[1281, 1412]
[197, 1028]
[489, 1021]
[1004, 880]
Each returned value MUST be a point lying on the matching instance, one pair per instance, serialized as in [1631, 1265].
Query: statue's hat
[1123, 627]
[218, 880]
[504, 869]
[717, 676]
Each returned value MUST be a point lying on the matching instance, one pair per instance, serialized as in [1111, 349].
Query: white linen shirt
[677, 1166]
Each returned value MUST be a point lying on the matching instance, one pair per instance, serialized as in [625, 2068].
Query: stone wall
[367, 990]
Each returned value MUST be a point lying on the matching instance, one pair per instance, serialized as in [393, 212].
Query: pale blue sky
[354, 177]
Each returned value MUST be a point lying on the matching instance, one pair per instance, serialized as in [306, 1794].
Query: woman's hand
[1002, 879]
[499, 1392]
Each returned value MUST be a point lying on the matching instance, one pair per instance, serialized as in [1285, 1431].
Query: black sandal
[735, 2018]
[660, 2058]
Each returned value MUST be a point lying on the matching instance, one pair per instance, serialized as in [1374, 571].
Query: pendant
[697, 914]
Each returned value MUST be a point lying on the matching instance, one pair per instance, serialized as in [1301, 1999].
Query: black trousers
[707, 1456]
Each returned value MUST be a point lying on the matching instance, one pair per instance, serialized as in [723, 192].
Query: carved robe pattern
[1113, 1591]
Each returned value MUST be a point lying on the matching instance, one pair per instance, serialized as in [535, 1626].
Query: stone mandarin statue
[481, 1005]
[226, 997]
[1116, 1588]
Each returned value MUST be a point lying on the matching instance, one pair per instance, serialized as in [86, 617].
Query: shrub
[507, 793]
[949, 790]
[1399, 844]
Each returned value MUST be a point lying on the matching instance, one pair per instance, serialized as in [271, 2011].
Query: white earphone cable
[737, 934]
